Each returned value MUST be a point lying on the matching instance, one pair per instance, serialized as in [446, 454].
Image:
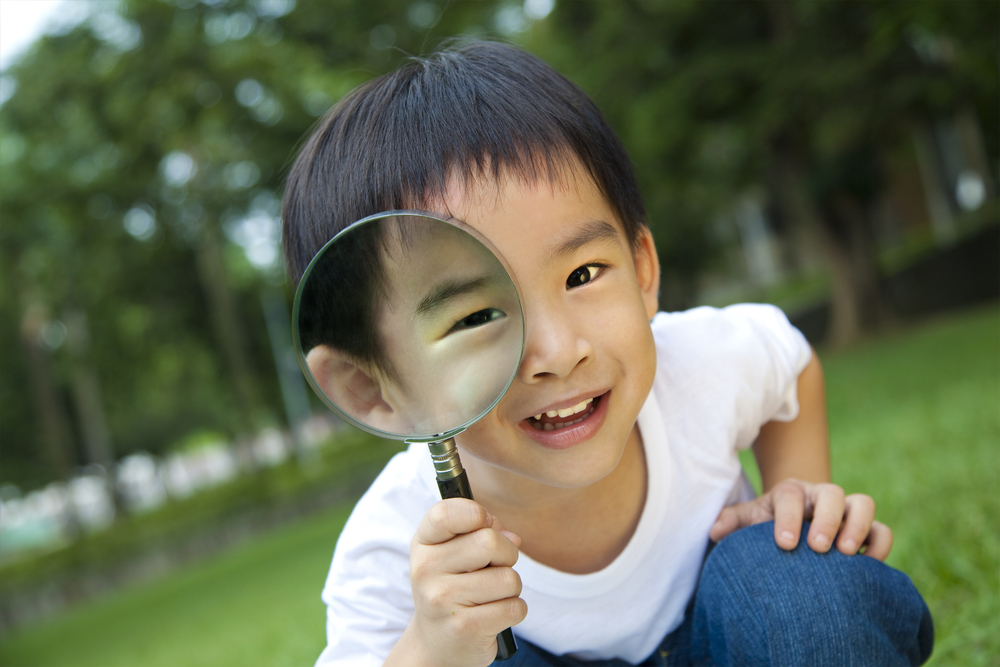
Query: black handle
[458, 487]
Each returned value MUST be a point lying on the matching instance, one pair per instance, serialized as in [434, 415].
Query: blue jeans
[759, 605]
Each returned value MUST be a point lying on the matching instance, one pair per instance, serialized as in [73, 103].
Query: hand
[464, 589]
[792, 501]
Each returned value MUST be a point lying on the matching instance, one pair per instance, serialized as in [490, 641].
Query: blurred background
[170, 493]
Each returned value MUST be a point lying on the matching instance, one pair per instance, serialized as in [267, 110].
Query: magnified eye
[478, 319]
[584, 275]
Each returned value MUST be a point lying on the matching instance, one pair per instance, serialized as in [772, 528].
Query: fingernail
[489, 520]
[788, 536]
[822, 541]
[851, 545]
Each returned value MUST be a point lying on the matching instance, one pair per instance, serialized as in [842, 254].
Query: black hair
[478, 108]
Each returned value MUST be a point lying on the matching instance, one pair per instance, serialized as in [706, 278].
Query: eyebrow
[451, 289]
[594, 231]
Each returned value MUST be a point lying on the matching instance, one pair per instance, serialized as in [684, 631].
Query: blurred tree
[142, 165]
[807, 97]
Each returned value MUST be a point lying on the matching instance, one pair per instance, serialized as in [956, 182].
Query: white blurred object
[970, 190]
[270, 448]
[205, 467]
[95, 509]
[140, 482]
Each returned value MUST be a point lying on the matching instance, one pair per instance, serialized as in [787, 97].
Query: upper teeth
[566, 412]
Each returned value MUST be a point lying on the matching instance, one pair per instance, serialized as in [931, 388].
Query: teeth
[565, 412]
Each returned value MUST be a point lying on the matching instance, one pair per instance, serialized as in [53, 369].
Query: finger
[879, 541]
[448, 518]
[789, 500]
[486, 585]
[472, 551]
[487, 620]
[828, 513]
[734, 517]
[859, 513]
[728, 522]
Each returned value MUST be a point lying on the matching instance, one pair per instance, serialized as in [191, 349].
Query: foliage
[803, 99]
[141, 149]
[143, 152]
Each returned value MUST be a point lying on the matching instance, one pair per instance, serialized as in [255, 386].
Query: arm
[800, 448]
[794, 462]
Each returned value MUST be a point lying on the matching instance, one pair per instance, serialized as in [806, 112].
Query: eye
[584, 274]
[478, 319]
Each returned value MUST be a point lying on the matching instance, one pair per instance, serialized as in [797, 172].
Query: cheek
[481, 442]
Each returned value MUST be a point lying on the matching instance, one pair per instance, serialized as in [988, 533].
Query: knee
[851, 609]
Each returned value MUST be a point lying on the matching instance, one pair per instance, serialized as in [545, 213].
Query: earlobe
[350, 387]
[647, 269]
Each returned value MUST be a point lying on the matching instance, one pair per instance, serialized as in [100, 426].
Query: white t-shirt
[721, 375]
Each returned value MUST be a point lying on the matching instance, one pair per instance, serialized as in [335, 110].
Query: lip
[567, 437]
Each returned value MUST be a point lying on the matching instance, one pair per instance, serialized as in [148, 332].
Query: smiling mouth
[554, 419]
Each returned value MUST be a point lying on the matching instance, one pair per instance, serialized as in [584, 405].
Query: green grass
[255, 605]
[914, 422]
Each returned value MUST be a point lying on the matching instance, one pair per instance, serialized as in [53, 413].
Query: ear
[350, 387]
[647, 270]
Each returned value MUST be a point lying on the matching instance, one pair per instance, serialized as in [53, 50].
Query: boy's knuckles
[831, 493]
[456, 516]
[788, 489]
[489, 540]
[504, 581]
[859, 502]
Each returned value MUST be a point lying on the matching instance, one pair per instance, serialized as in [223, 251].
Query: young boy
[591, 525]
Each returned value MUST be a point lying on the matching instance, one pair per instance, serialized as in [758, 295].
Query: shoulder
[728, 337]
[392, 507]
[367, 591]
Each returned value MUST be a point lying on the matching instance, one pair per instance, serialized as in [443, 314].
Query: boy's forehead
[472, 197]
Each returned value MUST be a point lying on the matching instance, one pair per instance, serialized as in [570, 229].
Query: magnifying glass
[409, 327]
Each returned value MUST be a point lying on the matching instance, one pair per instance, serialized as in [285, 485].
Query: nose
[554, 346]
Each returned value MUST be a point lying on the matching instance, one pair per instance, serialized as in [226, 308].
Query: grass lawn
[255, 605]
[914, 421]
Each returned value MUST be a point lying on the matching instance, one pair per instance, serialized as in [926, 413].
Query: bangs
[482, 109]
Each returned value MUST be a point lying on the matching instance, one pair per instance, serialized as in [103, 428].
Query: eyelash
[585, 270]
[485, 316]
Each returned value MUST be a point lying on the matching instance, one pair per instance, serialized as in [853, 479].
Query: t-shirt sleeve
[736, 366]
[367, 593]
[777, 353]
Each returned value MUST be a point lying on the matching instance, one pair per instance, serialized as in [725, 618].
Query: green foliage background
[711, 99]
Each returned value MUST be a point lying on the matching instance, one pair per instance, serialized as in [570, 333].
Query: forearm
[800, 448]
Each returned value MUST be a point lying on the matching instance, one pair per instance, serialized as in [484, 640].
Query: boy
[609, 465]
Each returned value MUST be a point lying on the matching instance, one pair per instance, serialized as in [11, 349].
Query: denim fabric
[759, 605]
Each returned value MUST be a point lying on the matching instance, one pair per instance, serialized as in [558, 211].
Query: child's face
[587, 300]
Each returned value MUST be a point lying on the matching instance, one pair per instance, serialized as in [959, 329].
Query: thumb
[730, 519]
[499, 527]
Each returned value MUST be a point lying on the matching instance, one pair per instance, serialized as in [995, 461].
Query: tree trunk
[87, 393]
[227, 326]
[800, 209]
[53, 423]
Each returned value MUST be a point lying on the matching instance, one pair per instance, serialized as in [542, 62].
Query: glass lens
[408, 326]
